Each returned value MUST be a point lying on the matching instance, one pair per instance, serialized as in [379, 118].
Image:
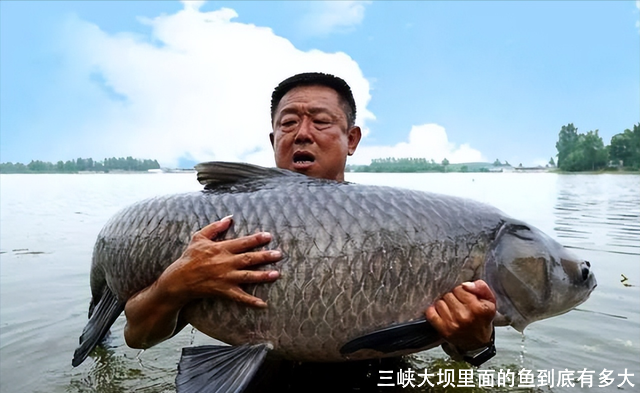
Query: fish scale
[366, 272]
[329, 265]
[356, 259]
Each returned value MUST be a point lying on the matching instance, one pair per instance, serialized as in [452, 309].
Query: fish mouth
[303, 160]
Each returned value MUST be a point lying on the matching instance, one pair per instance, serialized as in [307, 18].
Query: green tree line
[399, 165]
[587, 152]
[81, 164]
[412, 165]
[403, 165]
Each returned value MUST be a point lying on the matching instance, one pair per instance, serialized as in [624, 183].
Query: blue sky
[187, 82]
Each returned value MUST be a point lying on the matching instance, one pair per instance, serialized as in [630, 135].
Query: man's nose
[304, 133]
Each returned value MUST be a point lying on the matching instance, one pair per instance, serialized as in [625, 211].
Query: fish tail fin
[219, 368]
[405, 336]
[103, 316]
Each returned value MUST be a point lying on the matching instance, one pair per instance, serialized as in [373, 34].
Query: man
[313, 123]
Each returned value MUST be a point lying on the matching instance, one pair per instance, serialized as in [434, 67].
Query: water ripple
[607, 217]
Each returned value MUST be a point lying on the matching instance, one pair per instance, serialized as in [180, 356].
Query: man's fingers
[434, 318]
[463, 296]
[246, 243]
[475, 306]
[241, 296]
[253, 276]
[443, 310]
[452, 301]
[212, 230]
[248, 259]
[480, 289]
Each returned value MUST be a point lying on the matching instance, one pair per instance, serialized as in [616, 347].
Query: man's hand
[464, 316]
[218, 268]
[206, 268]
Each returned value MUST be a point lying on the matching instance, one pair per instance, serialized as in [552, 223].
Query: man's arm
[205, 269]
[464, 316]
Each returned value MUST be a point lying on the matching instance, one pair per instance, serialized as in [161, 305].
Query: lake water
[50, 222]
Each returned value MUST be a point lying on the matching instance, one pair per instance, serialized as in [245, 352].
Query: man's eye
[322, 122]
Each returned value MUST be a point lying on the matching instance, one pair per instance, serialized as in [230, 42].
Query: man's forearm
[206, 269]
[152, 317]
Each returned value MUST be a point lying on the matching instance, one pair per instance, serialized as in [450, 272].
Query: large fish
[360, 265]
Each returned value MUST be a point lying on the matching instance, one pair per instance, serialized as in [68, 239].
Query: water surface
[50, 222]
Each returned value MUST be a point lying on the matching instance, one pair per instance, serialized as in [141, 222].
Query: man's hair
[317, 79]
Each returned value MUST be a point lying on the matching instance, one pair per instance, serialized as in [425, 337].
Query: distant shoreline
[101, 172]
[179, 171]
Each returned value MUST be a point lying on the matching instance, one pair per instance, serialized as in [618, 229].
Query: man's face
[310, 134]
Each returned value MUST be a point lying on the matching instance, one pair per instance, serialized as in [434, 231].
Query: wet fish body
[356, 258]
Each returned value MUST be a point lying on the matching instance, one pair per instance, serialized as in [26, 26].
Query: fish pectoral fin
[103, 316]
[219, 368]
[412, 335]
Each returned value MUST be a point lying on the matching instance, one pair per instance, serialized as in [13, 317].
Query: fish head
[534, 277]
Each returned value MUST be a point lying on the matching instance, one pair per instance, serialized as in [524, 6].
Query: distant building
[531, 169]
[501, 169]
[615, 164]
[178, 170]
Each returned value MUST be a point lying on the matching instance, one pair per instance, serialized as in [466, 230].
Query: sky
[185, 82]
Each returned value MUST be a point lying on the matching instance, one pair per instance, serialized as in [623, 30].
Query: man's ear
[354, 135]
[271, 138]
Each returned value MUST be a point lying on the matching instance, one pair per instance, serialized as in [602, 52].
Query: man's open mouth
[303, 158]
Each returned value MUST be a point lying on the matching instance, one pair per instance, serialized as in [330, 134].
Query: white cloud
[326, 17]
[428, 141]
[199, 87]
[193, 4]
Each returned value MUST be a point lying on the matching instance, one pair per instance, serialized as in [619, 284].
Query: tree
[70, 166]
[551, 162]
[445, 163]
[594, 151]
[625, 147]
[497, 162]
[587, 154]
[567, 140]
[37, 166]
[80, 164]
[580, 152]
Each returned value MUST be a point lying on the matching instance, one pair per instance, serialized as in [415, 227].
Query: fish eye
[585, 273]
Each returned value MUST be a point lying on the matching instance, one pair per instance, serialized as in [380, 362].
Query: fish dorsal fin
[216, 173]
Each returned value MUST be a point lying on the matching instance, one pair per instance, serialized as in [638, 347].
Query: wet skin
[310, 133]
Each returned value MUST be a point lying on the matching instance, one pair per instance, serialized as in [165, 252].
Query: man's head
[317, 79]
[313, 116]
